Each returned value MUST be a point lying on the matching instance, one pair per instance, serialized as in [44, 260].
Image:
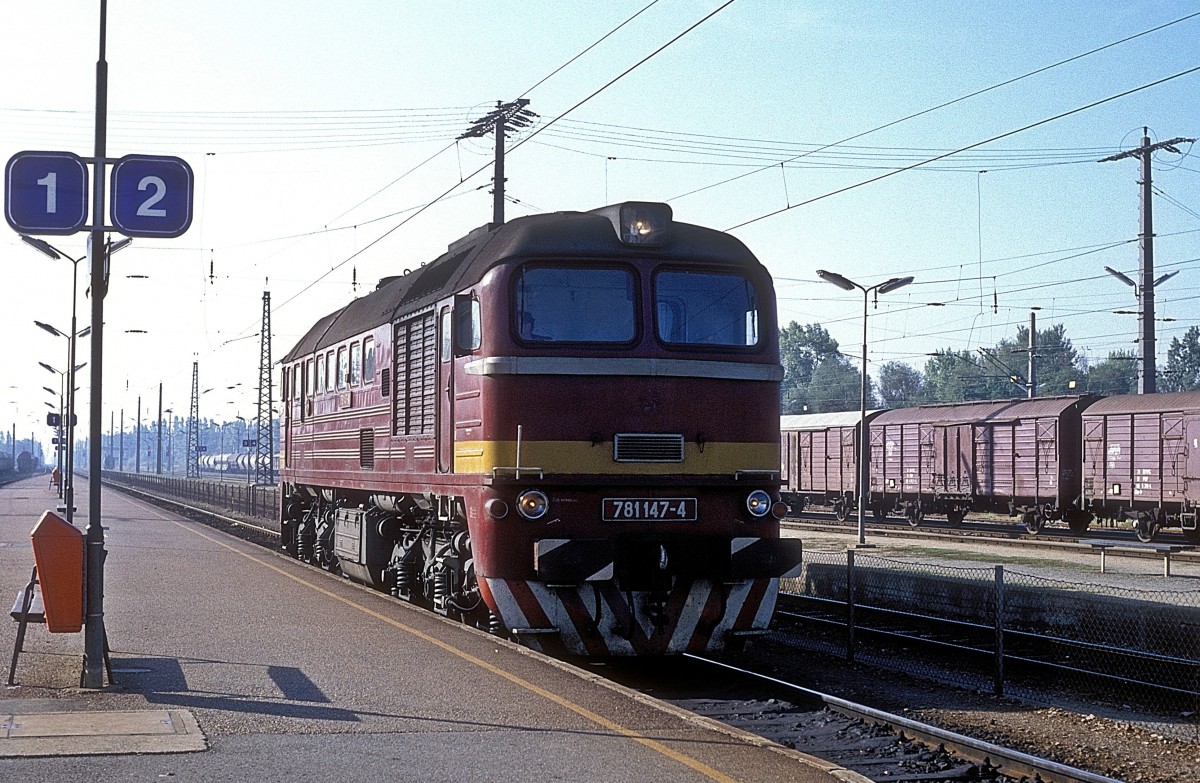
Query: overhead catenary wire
[968, 96]
[990, 140]
[534, 132]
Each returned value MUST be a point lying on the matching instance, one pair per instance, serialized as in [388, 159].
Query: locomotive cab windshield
[600, 304]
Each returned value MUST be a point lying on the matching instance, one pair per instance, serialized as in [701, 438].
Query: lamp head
[833, 277]
[893, 284]
[1123, 278]
[42, 246]
[48, 328]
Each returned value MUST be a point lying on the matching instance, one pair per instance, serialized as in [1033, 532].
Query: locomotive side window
[576, 305]
[295, 382]
[355, 364]
[369, 360]
[310, 375]
[343, 361]
[447, 341]
[330, 371]
[467, 324]
[321, 375]
[706, 308]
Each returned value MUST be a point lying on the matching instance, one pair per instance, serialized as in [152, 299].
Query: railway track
[879, 746]
[985, 531]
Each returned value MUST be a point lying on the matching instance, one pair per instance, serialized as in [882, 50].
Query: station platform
[234, 663]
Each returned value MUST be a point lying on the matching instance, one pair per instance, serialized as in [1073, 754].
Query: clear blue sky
[302, 122]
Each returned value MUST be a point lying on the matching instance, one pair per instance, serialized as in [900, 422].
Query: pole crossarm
[512, 115]
[1169, 145]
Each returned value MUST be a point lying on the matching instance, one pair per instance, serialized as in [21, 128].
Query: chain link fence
[1118, 650]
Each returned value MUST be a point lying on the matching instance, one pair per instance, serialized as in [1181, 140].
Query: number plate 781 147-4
[649, 510]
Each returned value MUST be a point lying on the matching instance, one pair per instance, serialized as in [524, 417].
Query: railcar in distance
[564, 429]
[819, 456]
[1019, 457]
[1141, 461]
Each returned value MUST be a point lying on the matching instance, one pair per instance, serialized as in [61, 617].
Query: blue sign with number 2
[151, 196]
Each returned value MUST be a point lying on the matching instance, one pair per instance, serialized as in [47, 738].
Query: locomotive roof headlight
[640, 222]
[758, 503]
[532, 504]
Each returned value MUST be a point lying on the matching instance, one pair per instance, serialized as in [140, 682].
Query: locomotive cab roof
[619, 229]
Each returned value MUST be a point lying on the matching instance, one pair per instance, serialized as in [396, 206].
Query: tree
[1115, 375]
[1182, 371]
[836, 386]
[955, 376]
[801, 350]
[900, 385]
[1056, 363]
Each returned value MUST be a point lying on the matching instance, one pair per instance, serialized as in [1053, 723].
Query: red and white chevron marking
[597, 618]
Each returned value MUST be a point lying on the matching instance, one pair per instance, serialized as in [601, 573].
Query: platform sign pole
[94, 636]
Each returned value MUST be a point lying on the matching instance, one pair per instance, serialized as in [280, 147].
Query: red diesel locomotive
[564, 429]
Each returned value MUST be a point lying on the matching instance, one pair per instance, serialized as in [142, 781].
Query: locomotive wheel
[1145, 527]
[913, 515]
[841, 511]
[955, 516]
[1033, 522]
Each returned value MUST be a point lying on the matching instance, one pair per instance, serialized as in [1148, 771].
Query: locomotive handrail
[516, 472]
[770, 475]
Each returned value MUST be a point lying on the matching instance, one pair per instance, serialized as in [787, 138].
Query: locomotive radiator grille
[648, 448]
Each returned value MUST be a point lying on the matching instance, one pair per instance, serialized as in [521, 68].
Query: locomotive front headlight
[532, 504]
[640, 222]
[758, 503]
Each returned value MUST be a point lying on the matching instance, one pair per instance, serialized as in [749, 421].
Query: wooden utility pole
[504, 116]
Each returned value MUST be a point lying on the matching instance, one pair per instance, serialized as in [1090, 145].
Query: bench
[1166, 550]
[27, 609]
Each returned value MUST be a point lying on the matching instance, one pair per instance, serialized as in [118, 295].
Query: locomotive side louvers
[648, 448]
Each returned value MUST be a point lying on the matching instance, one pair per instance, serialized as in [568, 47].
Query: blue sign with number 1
[151, 196]
[46, 192]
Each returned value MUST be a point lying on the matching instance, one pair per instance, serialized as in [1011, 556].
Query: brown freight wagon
[1019, 457]
[818, 457]
[1141, 461]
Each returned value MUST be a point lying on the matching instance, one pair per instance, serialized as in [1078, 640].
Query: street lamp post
[58, 431]
[245, 443]
[47, 249]
[170, 440]
[66, 411]
[864, 450]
